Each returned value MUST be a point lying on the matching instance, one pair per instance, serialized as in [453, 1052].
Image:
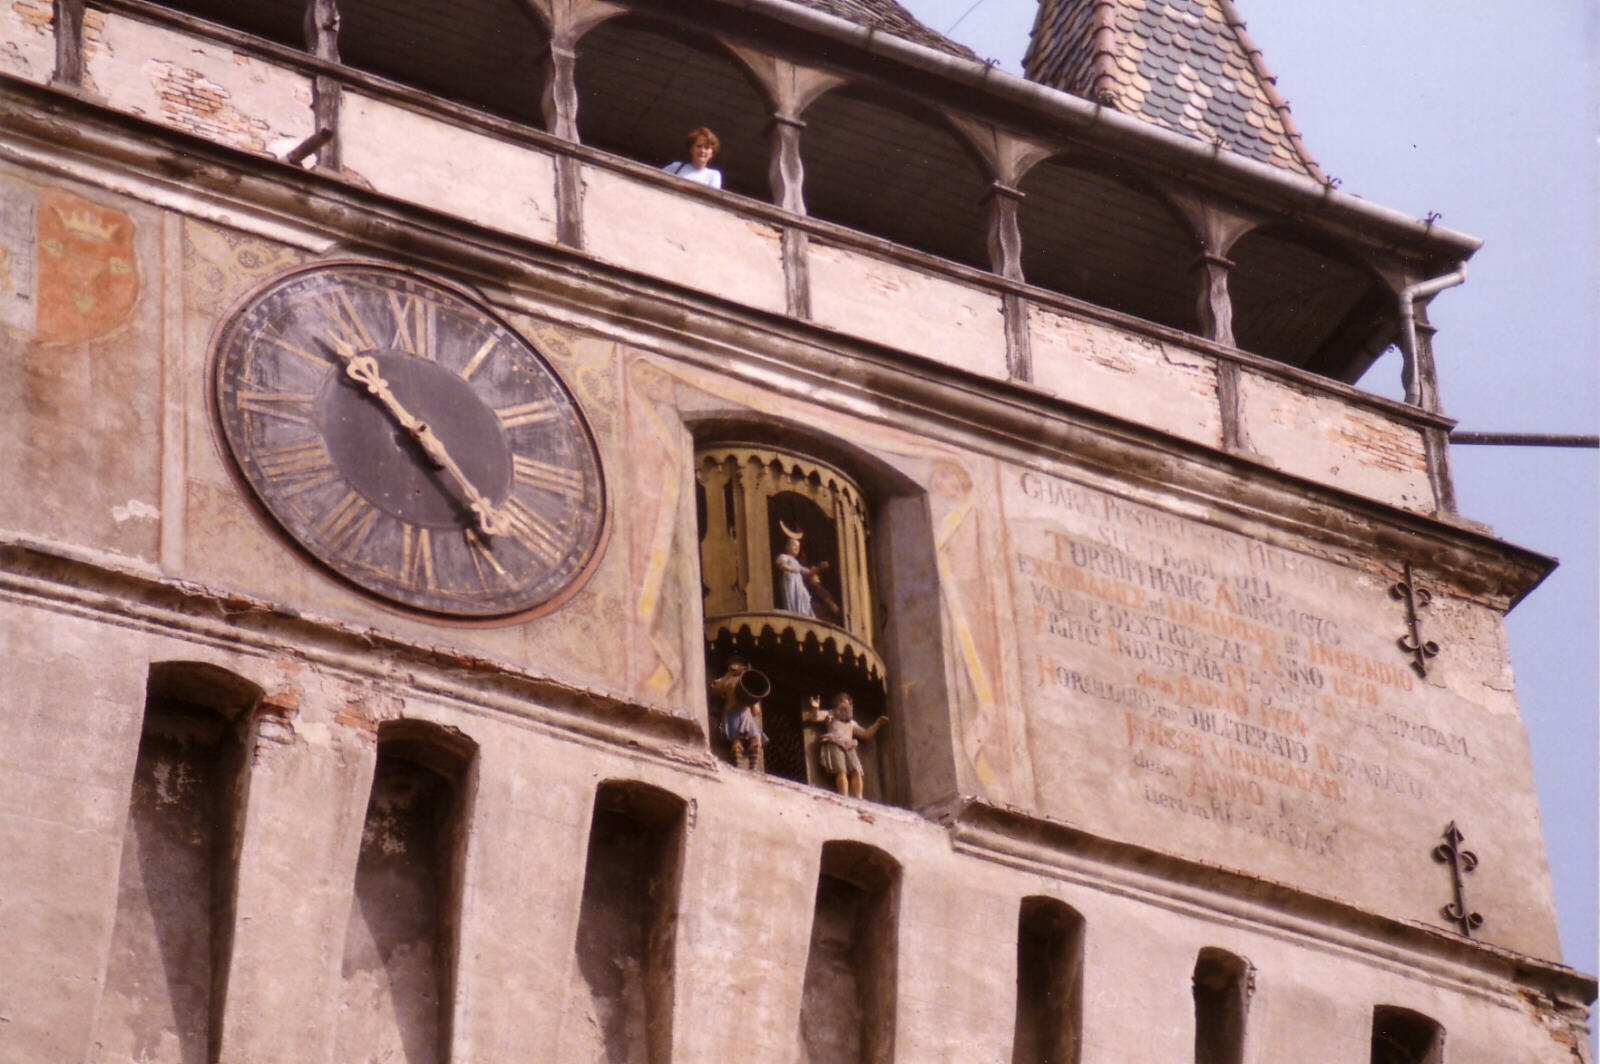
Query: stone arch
[1222, 987]
[887, 165]
[622, 983]
[693, 80]
[1098, 232]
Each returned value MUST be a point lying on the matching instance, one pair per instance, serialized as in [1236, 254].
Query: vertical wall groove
[401, 940]
[847, 1008]
[1049, 983]
[166, 978]
[622, 991]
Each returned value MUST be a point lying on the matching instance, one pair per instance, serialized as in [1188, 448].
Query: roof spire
[1187, 65]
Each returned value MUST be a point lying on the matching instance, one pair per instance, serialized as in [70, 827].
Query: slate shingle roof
[891, 18]
[1187, 65]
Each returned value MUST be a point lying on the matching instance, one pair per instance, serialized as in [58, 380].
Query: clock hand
[364, 370]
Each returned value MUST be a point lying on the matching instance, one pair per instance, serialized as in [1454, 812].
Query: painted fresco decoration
[68, 270]
[411, 442]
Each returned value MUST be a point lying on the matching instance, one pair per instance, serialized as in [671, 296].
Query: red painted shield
[87, 279]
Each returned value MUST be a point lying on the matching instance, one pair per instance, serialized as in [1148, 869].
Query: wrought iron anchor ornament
[1461, 862]
[1416, 598]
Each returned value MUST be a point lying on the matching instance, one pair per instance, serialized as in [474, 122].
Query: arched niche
[887, 166]
[1098, 235]
[890, 627]
[644, 83]
[1301, 299]
[402, 938]
[488, 54]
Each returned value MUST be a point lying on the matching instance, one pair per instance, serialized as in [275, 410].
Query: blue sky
[1485, 112]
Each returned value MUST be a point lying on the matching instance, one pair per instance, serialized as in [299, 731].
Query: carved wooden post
[1436, 441]
[1214, 306]
[789, 89]
[567, 21]
[1007, 157]
[1215, 230]
[785, 170]
[327, 93]
[1005, 234]
[68, 17]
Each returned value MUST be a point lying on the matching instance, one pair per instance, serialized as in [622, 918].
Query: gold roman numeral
[552, 478]
[415, 323]
[479, 356]
[281, 405]
[297, 466]
[348, 522]
[267, 335]
[533, 531]
[416, 557]
[534, 413]
[488, 568]
[349, 333]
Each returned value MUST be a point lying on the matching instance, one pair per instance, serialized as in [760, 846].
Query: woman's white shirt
[703, 175]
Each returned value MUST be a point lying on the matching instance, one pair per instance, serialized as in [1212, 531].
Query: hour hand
[363, 369]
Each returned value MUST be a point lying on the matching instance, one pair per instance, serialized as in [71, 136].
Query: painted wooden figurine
[841, 735]
[741, 689]
[793, 594]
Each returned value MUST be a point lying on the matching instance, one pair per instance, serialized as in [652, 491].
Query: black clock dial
[409, 440]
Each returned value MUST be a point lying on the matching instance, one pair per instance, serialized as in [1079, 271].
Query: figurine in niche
[840, 737]
[703, 146]
[741, 690]
[793, 594]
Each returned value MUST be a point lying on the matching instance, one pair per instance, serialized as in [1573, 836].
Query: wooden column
[68, 18]
[567, 21]
[1214, 307]
[327, 93]
[1007, 157]
[1435, 441]
[789, 89]
[1215, 230]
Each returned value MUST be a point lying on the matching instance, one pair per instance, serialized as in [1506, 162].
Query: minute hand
[364, 370]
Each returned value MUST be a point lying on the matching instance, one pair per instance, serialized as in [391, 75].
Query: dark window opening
[401, 941]
[848, 1002]
[1222, 987]
[1049, 1027]
[1401, 1036]
[627, 927]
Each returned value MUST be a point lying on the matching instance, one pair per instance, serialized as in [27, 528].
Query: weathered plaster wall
[1333, 442]
[906, 308]
[27, 39]
[1077, 656]
[751, 860]
[1247, 705]
[643, 227]
[200, 87]
[82, 282]
[1143, 380]
[413, 157]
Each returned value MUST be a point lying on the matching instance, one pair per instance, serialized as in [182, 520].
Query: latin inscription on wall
[1220, 697]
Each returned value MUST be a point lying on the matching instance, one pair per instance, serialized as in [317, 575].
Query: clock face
[410, 441]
